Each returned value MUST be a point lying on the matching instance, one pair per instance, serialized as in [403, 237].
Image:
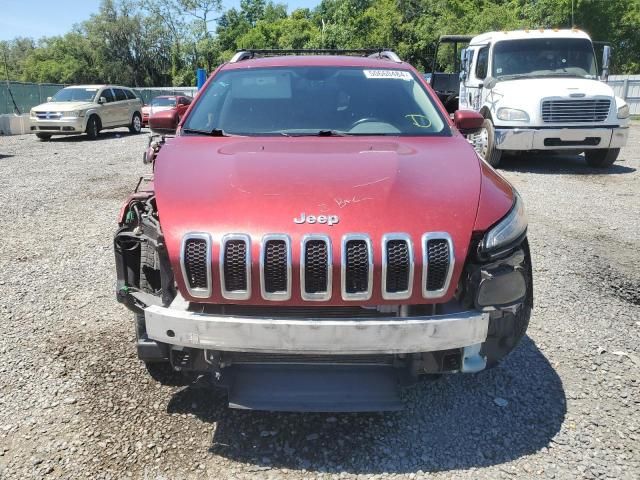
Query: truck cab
[539, 90]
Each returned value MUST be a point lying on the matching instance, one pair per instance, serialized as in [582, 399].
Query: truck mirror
[606, 59]
[490, 82]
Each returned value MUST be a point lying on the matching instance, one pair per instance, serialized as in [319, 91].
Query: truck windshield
[75, 95]
[325, 101]
[542, 57]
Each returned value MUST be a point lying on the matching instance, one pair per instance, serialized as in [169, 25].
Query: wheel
[484, 143]
[136, 123]
[44, 137]
[93, 127]
[602, 157]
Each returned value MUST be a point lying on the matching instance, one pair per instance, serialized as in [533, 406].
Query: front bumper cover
[560, 138]
[393, 335]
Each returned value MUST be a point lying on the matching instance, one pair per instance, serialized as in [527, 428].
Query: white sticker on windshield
[397, 74]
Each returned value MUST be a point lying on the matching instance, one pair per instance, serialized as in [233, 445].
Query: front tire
[93, 127]
[484, 143]
[601, 157]
[136, 123]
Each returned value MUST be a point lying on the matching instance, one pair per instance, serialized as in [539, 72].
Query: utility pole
[573, 23]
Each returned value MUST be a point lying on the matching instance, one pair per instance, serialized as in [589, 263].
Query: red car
[171, 107]
[318, 230]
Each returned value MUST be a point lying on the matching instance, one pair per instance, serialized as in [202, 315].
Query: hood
[510, 93]
[63, 106]
[258, 186]
[553, 87]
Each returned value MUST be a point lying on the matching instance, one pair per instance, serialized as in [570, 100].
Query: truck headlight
[509, 229]
[32, 113]
[512, 115]
[623, 111]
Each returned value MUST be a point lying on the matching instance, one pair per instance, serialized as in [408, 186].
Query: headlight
[513, 115]
[73, 114]
[32, 113]
[623, 111]
[509, 228]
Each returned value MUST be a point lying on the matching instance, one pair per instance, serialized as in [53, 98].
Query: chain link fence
[28, 95]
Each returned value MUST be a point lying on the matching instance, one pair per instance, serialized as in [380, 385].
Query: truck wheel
[484, 143]
[136, 123]
[93, 127]
[602, 157]
[44, 137]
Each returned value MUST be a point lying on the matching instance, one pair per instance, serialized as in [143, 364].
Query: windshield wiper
[332, 133]
[216, 132]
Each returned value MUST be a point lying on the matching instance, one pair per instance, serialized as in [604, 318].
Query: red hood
[375, 186]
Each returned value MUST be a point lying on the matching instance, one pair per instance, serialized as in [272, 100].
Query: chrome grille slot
[357, 267]
[438, 262]
[397, 266]
[196, 264]
[235, 266]
[316, 268]
[275, 267]
[575, 111]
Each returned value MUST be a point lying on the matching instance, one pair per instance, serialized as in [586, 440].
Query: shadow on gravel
[2, 156]
[452, 423]
[105, 135]
[554, 164]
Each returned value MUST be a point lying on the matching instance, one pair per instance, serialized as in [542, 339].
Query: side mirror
[468, 121]
[606, 60]
[102, 100]
[490, 82]
[164, 122]
[49, 99]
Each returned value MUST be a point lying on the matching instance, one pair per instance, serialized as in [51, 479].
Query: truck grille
[316, 266]
[575, 111]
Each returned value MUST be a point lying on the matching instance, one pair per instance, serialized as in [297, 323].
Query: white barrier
[14, 124]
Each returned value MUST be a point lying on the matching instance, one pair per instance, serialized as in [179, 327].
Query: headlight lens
[509, 228]
[32, 113]
[623, 111]
[73, 114]
[513, 115]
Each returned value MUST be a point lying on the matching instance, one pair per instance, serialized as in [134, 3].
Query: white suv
[87, 108]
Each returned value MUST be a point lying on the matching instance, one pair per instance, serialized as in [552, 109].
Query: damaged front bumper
[336, 336]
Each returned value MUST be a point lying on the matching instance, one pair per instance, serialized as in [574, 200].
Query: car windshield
[543, 57]
[163, 102]
[75, 95]
[297, 101]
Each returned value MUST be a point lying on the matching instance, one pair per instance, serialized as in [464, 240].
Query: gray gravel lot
[75, 402]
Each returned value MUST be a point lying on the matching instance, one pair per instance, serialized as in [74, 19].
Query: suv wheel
[136, 123]
[44, 137]
[602, 157]
[484, 143]
[93, 127]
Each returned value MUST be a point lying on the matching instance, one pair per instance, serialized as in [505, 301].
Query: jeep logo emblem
[311, 219]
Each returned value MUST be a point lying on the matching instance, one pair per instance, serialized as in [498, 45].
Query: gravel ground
[75, 402]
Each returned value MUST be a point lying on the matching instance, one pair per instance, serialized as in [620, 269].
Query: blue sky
[42, 18]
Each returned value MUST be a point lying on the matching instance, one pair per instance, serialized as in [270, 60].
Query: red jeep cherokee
[319, 232]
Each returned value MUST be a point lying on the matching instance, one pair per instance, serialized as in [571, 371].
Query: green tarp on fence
[28, 95]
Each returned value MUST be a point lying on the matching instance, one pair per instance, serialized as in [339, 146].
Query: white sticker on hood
[397, 74]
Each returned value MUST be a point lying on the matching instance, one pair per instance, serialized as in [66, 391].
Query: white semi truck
[539, 90]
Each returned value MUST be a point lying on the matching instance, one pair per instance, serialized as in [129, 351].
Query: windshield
[75, 95]
[316, 101]
[544, 57]
[163, 102]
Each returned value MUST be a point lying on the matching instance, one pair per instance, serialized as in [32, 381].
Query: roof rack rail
[373, 53]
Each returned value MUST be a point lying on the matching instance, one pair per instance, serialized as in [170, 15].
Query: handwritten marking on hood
[371, 183]
[343, 202]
